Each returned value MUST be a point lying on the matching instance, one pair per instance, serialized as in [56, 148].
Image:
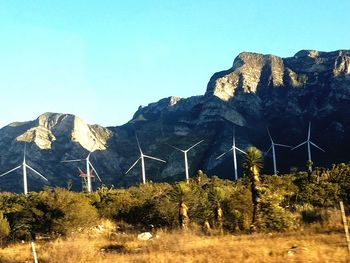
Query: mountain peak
[252, 70]
[50, 119]
[50, 127]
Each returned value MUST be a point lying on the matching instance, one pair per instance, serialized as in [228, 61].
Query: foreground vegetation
[203, 220]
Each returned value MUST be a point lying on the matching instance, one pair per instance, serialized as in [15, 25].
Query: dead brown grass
[185, 247]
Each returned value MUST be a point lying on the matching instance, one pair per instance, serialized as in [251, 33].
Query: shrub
[237, 207]
[340, 174]
[4, 228]
[71, 210]
[114, 202]
[272, 216]
[273, 213]
[320, 193]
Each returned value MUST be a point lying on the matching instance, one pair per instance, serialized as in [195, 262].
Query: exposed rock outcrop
[50, 126]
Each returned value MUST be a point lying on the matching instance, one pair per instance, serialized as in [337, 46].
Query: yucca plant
[253, 163]
[215, 196]
[180, 192]
[4, 228]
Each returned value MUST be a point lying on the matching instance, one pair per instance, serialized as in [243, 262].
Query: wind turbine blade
[92, 149]
[194, 145]
[283, 145]
[93, 155]
[24, 150]
[299, 145]
[11, 170]
[93, 168]
[268, 132]
[175, 147]
[138, 143]
[35, 171]
[69, 161]
[132, 166]
[269, 149]
[154, 158]
[233, 134]
[309, 132]
[240, 150]
[317, 146]
[223, 153]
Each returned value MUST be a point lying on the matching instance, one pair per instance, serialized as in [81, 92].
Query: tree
[67, 210]
[216, 195]
[253, 162]
[4, 228]
[181, 190]
[309, 165]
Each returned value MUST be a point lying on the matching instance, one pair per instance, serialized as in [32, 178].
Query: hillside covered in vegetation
[284, 203]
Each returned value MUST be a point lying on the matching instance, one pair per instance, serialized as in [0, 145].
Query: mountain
[257, 92]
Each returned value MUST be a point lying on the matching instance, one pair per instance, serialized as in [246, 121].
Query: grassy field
[302, 246]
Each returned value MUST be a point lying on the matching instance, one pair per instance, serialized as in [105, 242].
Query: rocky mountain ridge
[49, 127]
[257, 92]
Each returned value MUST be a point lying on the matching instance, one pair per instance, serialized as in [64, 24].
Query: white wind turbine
[233, 149]
[185, 157]
[24, 166]
[272, 147]
[88, 174]
[308, 144]
[142, 158]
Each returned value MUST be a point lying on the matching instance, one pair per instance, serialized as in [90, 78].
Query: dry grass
[185, 247]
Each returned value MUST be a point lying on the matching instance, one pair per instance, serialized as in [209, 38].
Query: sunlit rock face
[257, 92]
[251, 70]
[41, 136]
[49, 126]
[245, 75]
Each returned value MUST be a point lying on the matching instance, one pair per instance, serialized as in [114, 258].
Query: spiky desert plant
[180, 191]
[309, 165]
[4, 228]
[216, 195]
[253, 163]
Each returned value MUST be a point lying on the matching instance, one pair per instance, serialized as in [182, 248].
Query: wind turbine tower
[309, 143]
[185, 157]
[142, 158]
[272, 147]
[233, 149]
[24, 166]
[88, 174]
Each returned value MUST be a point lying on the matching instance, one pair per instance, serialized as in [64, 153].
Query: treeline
[275, 203]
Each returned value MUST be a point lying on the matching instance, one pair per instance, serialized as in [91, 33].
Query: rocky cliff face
[257, 92]
[49, 127]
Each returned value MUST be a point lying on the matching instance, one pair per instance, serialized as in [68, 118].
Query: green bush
[4, 228]
[319, 193]
[53, 211]
[340, 175]
[68, 210]
[272, 216]
[150, 204]
[237, 207]
[283, 203]
[274, 205]
[114, 203]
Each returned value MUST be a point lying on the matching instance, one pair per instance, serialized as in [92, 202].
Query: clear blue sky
[102, 59]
